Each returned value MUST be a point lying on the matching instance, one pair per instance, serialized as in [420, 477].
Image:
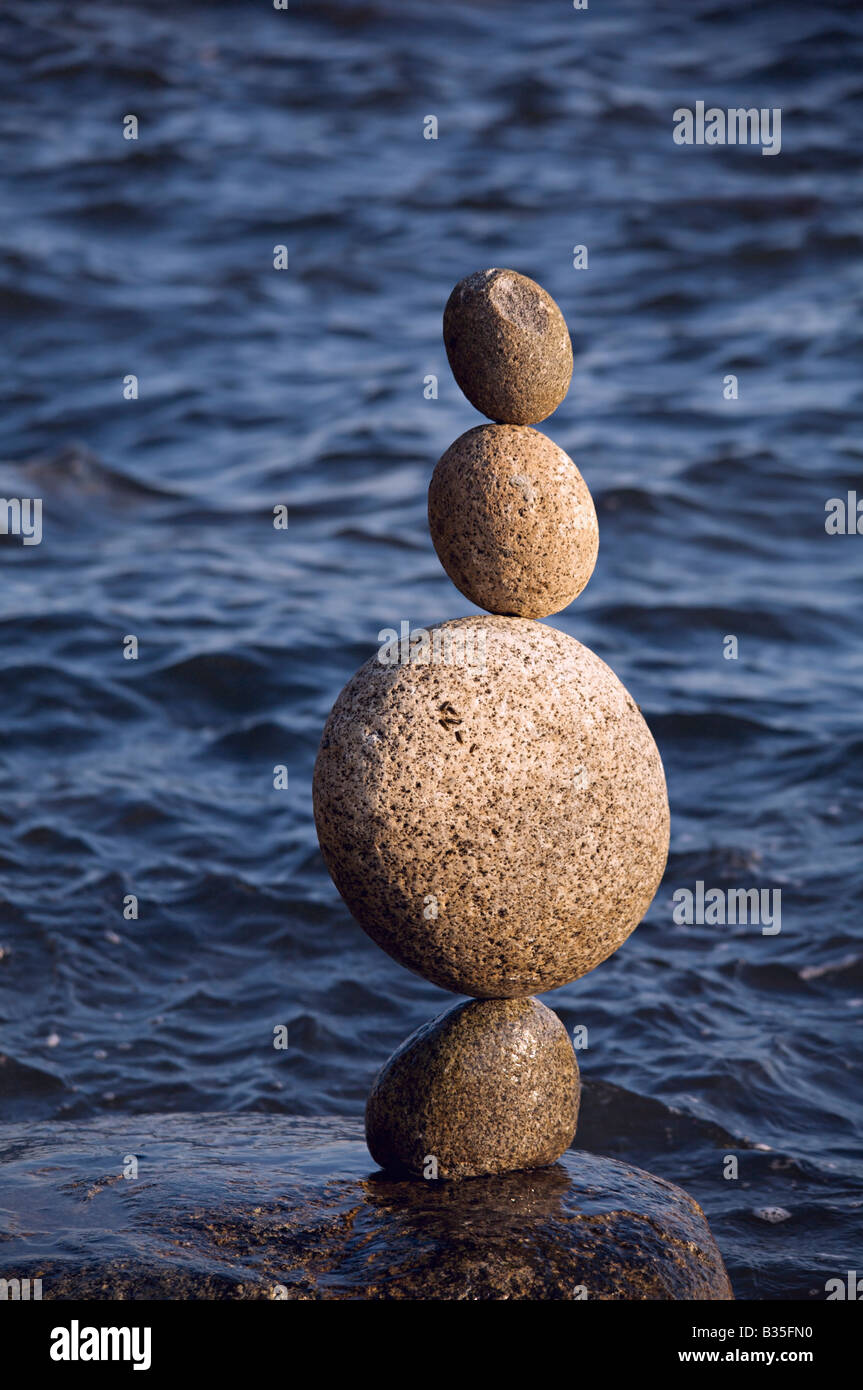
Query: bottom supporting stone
[260, 1206]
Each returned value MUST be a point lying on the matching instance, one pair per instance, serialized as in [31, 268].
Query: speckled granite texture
[512, 521]
[489, 1086]
[508, 346]
[498, 828]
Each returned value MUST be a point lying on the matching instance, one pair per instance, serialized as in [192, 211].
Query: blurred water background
[305, 387]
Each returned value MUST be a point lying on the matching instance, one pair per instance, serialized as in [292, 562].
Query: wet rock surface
[262, 1207]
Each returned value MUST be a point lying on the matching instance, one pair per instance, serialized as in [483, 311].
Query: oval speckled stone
[487, 1087]
[508, 346]
[494, 811]
[513, 521]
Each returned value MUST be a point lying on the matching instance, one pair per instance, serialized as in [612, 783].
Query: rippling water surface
[305, 387]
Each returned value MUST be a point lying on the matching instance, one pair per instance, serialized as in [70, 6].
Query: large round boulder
[493, 808]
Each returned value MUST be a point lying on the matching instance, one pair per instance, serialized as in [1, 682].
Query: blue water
[257, 387]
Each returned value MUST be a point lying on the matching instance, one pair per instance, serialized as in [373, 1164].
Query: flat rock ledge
[266, 1206]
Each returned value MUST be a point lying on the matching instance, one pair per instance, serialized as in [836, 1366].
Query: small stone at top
[508, 346]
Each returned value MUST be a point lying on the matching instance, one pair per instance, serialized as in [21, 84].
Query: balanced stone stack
[498, 825]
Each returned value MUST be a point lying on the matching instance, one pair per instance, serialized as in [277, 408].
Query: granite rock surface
[512, 521]
[498, 820]
[508, 346]
[489, 1086]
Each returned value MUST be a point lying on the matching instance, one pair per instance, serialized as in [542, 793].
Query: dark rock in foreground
[253, 1206]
